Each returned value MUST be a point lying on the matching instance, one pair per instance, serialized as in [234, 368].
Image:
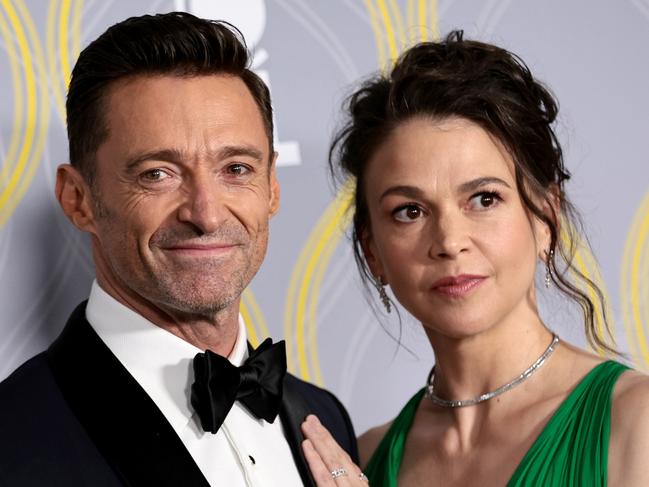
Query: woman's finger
[337, 463]
[319, 470]
[326, 446]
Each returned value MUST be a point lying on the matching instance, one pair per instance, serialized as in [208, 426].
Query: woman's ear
[73, 194]
[551, 207]
[371, 256]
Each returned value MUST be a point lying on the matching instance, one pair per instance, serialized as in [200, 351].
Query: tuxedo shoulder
[316, 396]
[30, 401]
[322, 402]
[25, 382]
[41, 441]
[329, 410]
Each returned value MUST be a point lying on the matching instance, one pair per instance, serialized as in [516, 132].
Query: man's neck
[217, 332]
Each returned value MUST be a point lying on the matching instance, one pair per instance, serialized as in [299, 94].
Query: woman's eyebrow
[415, 192]
[480, 182]
[404, 190]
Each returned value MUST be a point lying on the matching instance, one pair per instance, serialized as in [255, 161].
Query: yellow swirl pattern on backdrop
[18, 96]
[379, 38]
[61, 56]
[31, 105]
[585, 262]
[634, 286]
[398, 22]
[300, 312]
[302, 298]
[253, 318]
[422, 30]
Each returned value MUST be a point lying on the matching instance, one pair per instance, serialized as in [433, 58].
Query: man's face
[185, 186]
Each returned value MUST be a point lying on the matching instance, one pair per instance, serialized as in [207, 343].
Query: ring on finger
[338, 472]
[363, 477]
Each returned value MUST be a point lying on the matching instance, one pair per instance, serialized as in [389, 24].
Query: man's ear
[73, 194]
[371, 256]
[274, 185]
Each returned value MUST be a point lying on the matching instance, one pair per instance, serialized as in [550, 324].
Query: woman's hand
[330, 465]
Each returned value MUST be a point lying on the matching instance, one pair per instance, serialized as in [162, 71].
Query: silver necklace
[430, 391]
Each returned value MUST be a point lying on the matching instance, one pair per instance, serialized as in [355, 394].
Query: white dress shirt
[246, 451]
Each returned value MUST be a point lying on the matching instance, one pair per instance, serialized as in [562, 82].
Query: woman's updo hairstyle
[493, 88]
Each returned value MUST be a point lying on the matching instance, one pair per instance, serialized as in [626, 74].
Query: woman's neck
[467, 367]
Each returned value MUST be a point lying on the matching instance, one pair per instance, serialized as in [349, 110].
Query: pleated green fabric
[572, 449]
[383, 468]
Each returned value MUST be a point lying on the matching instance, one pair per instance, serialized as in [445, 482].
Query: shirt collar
[160, 361]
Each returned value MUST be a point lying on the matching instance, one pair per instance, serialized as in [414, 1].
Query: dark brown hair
[177, 44]
[496, 90]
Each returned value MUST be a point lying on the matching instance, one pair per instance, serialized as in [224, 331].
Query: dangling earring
[548, 272]
[383, 296]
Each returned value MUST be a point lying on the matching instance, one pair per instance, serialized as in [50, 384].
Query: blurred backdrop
[592, 53]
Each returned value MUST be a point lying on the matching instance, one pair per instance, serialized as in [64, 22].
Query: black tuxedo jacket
[73, 416]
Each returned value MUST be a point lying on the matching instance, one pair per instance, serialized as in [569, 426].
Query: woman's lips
[457, 286]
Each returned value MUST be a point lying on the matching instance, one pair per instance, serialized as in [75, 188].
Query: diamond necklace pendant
[460, 403]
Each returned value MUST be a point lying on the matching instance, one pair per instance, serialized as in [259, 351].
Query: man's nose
[450, 235]
[202, 206]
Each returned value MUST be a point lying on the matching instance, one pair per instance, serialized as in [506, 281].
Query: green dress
[572, 449]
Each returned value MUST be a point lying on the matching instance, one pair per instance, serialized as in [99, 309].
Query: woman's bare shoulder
[630, 398]
[369, 441]
[629, 439]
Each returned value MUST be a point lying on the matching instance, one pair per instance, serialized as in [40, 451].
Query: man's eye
[154, 175]
[484, 200]
[238, 169]
[407, 213]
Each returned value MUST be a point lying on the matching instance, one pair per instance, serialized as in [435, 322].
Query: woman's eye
[407, 213]
[484, 200]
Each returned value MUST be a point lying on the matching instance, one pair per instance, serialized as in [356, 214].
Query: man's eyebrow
[177, 157]
[169, 155]
[478, 183]
[239, 150]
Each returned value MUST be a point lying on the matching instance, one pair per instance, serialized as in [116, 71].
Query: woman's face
[448, 230]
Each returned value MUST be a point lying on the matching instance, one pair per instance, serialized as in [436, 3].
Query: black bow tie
[257, 384]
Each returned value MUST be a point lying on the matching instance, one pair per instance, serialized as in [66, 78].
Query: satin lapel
[123, 421]
[294, 410]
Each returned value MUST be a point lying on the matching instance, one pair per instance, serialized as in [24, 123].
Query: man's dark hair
[177, 44]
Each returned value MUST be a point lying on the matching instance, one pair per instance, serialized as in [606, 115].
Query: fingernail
[307, 424]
